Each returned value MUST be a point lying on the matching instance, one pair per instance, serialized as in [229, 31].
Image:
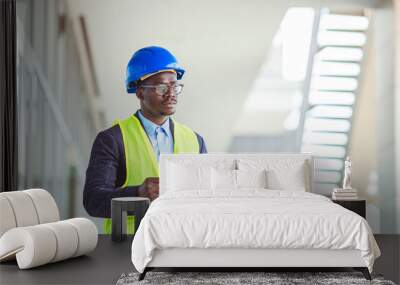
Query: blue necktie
[162, 142]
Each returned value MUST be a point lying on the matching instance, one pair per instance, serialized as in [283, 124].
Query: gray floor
[102, 266]
[110, 260]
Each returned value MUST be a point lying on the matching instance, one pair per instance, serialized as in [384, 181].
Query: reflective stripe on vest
[140, 158]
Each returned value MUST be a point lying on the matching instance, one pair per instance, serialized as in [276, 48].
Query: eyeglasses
[162, 89]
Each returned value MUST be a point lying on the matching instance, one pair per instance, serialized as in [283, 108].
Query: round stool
[136, 206]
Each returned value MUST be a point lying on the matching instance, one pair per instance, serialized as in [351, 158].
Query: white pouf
[31, 233]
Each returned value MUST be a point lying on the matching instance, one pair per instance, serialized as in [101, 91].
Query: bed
[248, 210]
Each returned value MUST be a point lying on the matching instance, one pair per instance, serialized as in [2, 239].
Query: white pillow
[223, 179]
[228, 179]
[182, 177]
[293, 179]
[282, 174]
[251, 178]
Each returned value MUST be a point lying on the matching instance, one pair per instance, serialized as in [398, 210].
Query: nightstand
[357, 206]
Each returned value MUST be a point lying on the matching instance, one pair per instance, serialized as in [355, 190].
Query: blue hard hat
[147, 61]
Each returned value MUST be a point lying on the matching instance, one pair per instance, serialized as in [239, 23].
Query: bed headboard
[230, 160]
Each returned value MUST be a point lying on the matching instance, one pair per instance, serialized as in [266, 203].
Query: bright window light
[296, 34]
[323, 150]
[331, 163]
[327, 125]
[341, 38]
[335, 68]
[340, 53]
[344, 22]
[343, 112]
[333, 98]
[333, 83]
[277, 40]
[278, 86]
[325, 138]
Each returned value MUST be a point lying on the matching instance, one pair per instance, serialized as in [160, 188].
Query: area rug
[229, 278]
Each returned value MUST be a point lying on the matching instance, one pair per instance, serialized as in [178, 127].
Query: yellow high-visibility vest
[141, 161]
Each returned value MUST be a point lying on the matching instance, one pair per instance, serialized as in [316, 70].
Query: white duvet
[250, 219]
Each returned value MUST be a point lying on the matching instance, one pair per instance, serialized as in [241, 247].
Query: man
[124, 158]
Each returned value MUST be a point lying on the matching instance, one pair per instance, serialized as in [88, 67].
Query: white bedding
[252, 218]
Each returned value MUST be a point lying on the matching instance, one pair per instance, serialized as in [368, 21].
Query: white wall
[218, 42]
[384, 66]
[221, 43]
[363, 139]
[374, 145]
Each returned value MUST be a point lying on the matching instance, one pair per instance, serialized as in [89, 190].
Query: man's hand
[149, 188]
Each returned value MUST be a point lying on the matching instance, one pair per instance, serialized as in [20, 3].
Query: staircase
[331, 95]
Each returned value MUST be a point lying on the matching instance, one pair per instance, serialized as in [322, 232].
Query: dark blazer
[106, 172]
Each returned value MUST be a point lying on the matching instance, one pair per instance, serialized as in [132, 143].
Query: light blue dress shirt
[160, 136]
